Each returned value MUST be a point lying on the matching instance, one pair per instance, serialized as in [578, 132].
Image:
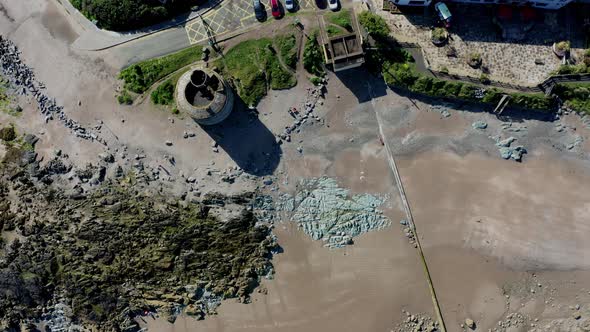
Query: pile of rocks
[408, 232]
[416, 323]
[513, 321]
[303, 115]
[481, 125]
[57, 318]
[510, 152]
[23, 77]
[444, 111]
[510, 127]
[329, 213]
[577, 142]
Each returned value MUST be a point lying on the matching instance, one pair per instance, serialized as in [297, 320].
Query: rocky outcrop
[111, 253]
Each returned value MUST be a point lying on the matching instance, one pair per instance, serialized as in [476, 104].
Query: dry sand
[486, 224]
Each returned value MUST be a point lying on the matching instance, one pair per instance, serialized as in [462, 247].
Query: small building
[344, 51]
[204, 95]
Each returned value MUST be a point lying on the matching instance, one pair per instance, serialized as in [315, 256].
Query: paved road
[148, 47]
[230, 16]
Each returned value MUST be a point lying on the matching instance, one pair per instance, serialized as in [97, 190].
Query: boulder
[31, 139]
[470, 323]
[506, 142]
[479, 125]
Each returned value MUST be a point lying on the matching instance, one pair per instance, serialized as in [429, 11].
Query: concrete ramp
[502, 104]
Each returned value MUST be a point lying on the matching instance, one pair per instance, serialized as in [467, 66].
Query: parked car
[290, 5]
[275, 8]
[444, 14]
[259, 11]
[333, 4]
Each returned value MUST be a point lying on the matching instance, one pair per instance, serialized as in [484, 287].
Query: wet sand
[57, 24]
[359, 288]
[483, 221]
[511, 211]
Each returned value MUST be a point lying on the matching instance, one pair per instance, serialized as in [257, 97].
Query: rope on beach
[409, 216]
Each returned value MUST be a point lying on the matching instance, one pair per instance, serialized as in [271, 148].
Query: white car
[333, 4]
[290, 5]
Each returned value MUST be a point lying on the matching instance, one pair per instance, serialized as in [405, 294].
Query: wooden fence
[477, 81]
[548, 85]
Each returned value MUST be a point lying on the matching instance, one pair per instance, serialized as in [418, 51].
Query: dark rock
[31, 139]
[28, 157]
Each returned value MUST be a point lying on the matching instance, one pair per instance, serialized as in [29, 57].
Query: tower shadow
[248, 142]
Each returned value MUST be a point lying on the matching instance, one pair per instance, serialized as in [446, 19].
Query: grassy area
[253, 67]
[334, 31]
[287, 46]
[7, 104]
[313, 59]
[140, 76]
[575, 95]
[164, 93]
[342, 19]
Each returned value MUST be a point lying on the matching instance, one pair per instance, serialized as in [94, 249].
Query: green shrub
[563, 46]
[467, 92]
[451, 89]
[492, 96]
[581, 93]
[163, 94]
[313, 60]
[423, 85]
[579, 105]
[123, 15]
[374, 24]
[439, 35]
[575, 95]
[8, 134]
[125, 98]
[483, 78]
[439, 87]
[533, 101]
[315, 80]
[474, 60]
[399, 74]
[582, 68]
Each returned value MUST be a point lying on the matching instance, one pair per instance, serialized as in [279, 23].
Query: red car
[275, 8]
